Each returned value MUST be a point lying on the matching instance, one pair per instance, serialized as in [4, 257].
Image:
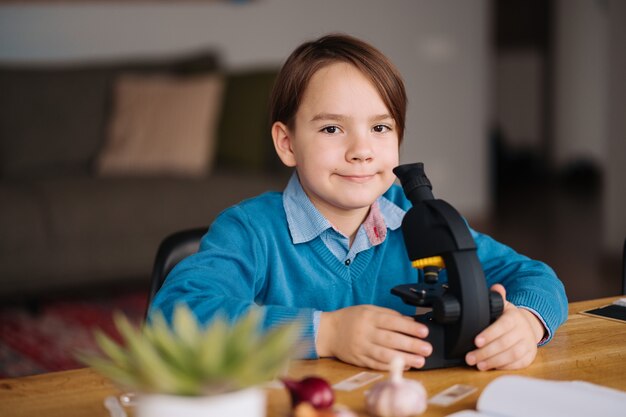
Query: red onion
[313, 390]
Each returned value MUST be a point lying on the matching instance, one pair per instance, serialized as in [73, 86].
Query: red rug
[45, 340]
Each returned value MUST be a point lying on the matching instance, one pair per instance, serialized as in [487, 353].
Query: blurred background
[517, 108]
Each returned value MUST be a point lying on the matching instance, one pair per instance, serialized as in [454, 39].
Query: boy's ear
[282, 143]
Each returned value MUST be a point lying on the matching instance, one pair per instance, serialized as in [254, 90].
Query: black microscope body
[437, 237]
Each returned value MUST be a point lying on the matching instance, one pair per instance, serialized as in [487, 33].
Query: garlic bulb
[396, 397]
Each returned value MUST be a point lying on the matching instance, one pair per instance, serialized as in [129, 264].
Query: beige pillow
[162, 125]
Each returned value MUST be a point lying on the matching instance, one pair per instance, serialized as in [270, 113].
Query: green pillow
[244, 138]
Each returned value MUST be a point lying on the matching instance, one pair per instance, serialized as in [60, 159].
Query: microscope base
[436, 338]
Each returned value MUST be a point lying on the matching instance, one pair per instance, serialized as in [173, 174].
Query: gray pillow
[51, 120]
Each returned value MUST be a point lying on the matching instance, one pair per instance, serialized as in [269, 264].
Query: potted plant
[187, 369]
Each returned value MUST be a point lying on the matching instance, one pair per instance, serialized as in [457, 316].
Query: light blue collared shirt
[307, 223]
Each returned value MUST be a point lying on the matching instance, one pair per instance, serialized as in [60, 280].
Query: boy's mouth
[358, 178]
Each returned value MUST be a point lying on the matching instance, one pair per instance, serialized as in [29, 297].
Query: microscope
[436, 238]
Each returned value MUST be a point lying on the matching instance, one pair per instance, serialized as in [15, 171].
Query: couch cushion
[103, 230]
[53, 116]
[162, 125]
[103, 210]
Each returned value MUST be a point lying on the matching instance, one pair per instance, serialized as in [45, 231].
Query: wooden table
[585, 348]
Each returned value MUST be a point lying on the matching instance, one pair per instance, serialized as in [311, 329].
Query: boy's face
[344, 144]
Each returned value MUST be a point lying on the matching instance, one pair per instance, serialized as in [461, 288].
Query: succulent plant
[189, 359]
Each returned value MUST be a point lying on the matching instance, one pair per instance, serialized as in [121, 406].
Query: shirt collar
[306, 222]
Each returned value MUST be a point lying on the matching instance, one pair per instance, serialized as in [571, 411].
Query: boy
[329, 248]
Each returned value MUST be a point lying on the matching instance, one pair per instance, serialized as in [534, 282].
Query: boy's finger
[373, 363]
[404, 343]
[499, 288]
[393, 320]
[504, 359]
[520, 363]
[502, 344]
[385, 355]
[502, 325]
[414, 361]
[400, 324]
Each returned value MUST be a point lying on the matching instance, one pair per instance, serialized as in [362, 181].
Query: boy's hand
[371, 336]
[508, 343]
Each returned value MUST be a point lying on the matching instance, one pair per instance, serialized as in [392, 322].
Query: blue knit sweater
[247, 259]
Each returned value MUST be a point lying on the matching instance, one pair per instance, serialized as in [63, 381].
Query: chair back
[173, 249]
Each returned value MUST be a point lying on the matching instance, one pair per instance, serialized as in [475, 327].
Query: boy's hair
[309, 57]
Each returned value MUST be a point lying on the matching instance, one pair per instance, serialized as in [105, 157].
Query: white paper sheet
[518, 396]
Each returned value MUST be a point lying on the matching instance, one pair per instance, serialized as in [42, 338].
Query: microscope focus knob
[496, 305]
[431, 274]
[446, 309]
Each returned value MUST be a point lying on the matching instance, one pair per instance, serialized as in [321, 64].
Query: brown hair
[309, 57]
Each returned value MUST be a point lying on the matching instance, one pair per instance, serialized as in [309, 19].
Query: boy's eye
[330, 129]
[381, 128]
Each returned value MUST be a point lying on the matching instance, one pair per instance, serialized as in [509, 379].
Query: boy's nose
[360, 150]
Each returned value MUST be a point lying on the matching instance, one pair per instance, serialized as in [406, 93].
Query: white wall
[590, 100]
[581, 71]
[519, 105]
[440, 46]
[615, 174]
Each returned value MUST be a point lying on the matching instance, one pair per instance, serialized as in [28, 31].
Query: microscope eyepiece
[414, 182]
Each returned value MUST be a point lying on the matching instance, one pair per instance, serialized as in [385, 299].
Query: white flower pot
[245, 403]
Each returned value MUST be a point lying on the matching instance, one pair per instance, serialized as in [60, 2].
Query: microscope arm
[466, 282]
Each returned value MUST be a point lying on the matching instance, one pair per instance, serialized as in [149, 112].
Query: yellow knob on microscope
[431, 261]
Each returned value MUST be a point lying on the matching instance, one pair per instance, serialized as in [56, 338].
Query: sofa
[87, 191]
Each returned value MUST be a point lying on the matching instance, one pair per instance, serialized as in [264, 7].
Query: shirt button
[347, 262]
